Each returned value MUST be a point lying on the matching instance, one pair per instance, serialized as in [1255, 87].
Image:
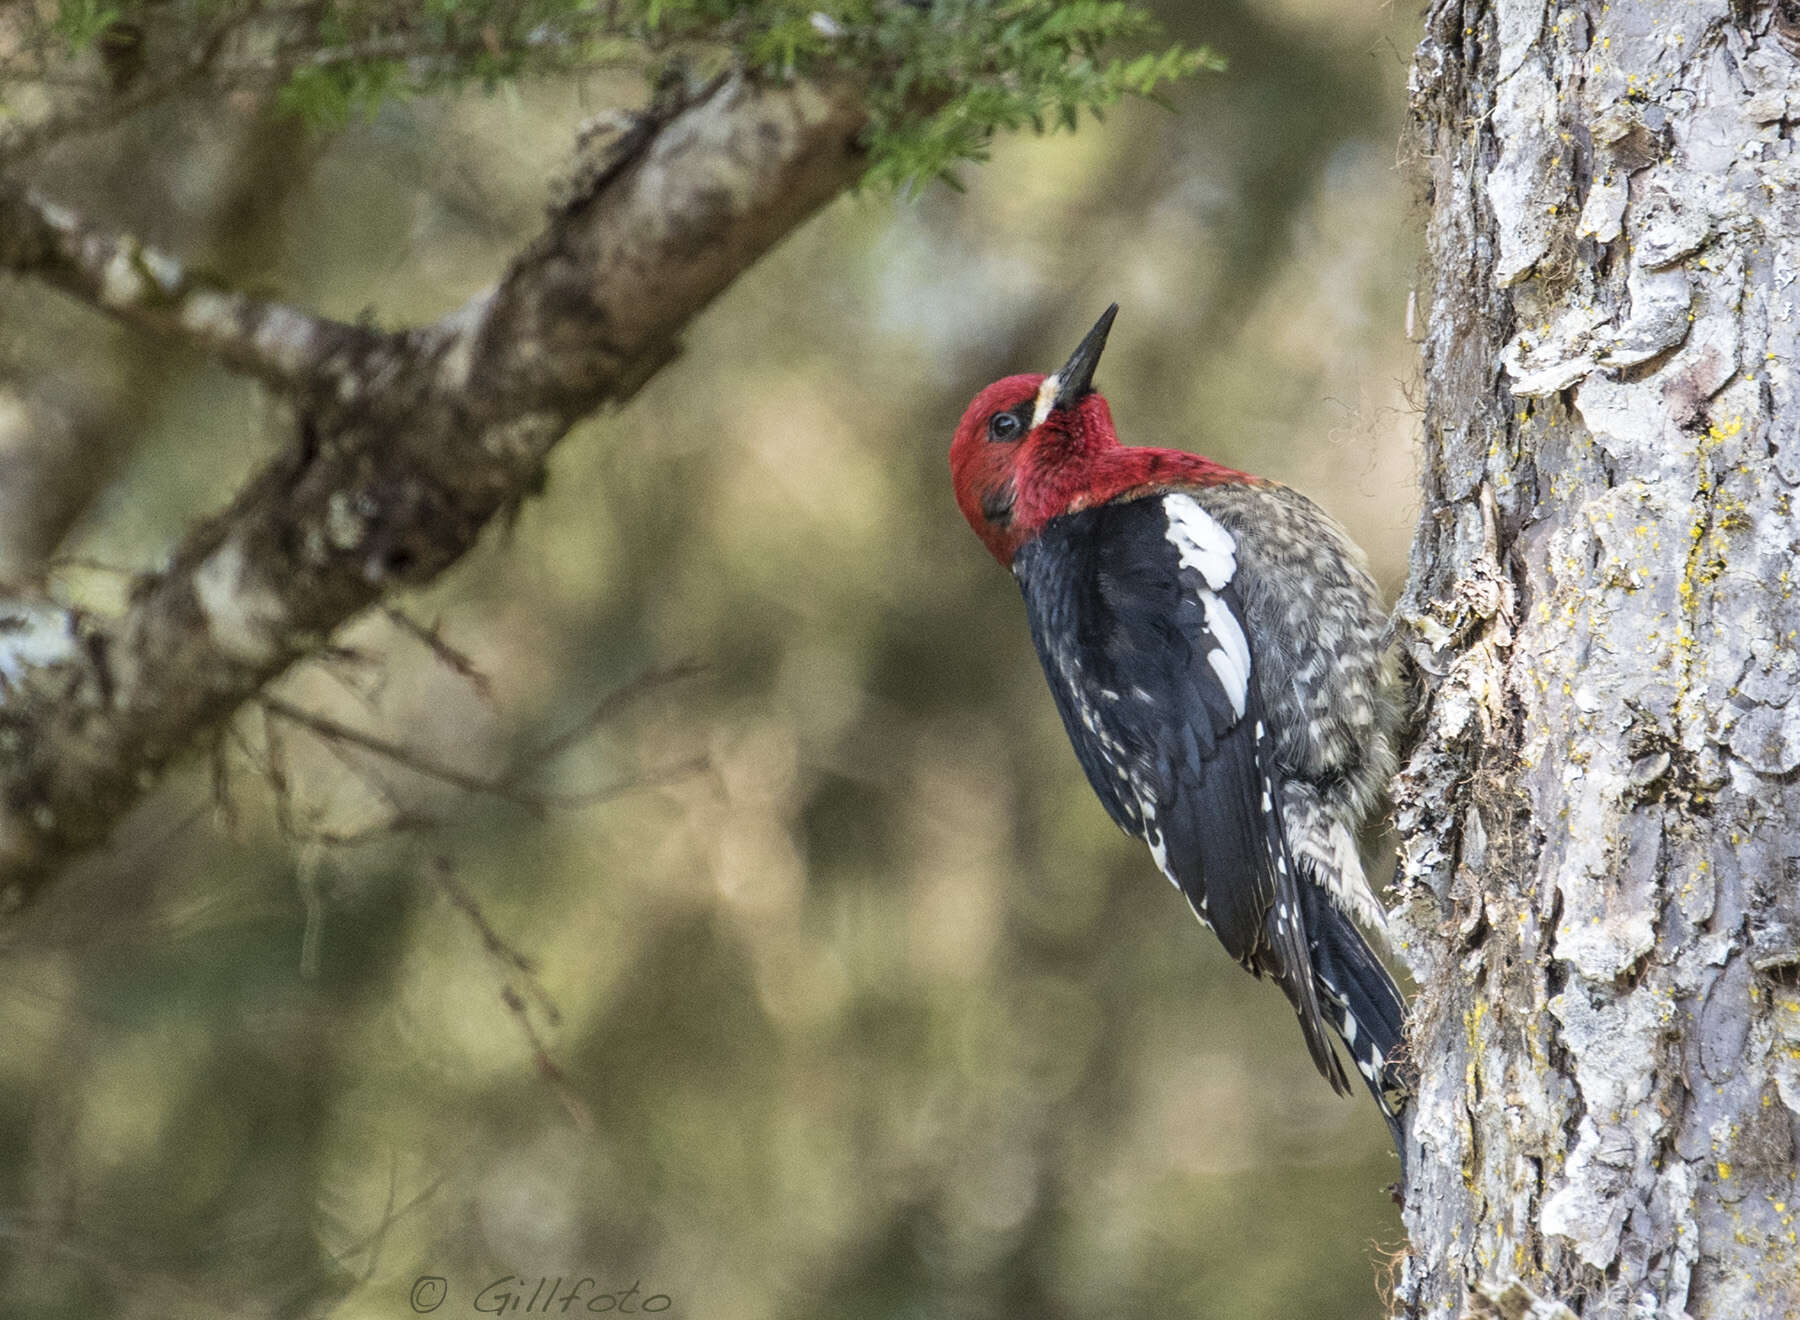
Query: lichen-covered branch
[282, 346]
[405, 445]
[64, 433]
[1600, 812]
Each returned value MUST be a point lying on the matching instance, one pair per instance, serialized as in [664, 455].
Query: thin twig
[669, 774]
[365, 776]
[525, 969]
[390, 1215]
[275, 767]
[99, 107]
[224, 804]
[432, 639]
[326, 727]
[548, 1068]
[464, 902]
[608, 706]
[312, 898]
[101, 112]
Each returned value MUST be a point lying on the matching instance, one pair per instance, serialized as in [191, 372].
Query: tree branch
[405, 445]
[62, 435]
[282, 346]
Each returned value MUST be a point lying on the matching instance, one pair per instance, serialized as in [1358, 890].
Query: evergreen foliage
[942, 77]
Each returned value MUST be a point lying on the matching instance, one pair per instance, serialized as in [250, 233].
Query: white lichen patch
[121, 283]
[1563, 369]
[668, 182]
[208, 314]
[244, 618]
[34, 635]
[1603, 214]
[1547, 359]
[1785, 1055]
[1767, 738]
[1523, 205]
[1769, 107]
[1661, 298]
[1520, 27]
[164, 269]
[1626, 521]
[347, 519]
[1614, 122]
[287, 338]
[1608, 1040]
[1668, 236]
[1609, 919]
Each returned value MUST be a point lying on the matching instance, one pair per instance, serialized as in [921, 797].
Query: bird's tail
[1361, 1003]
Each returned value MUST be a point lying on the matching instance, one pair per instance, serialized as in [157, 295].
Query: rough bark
[406, 444]
[1601, 813]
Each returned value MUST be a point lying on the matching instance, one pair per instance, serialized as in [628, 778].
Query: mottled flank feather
[1327, 851]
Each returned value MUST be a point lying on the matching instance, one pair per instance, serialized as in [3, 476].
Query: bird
[1216, 649]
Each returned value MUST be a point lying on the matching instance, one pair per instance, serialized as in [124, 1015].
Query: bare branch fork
[405, 443]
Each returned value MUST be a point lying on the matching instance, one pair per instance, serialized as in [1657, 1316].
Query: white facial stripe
[1200, 541]
[1046, 399]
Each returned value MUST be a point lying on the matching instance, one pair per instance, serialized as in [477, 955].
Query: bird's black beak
[1077, 375]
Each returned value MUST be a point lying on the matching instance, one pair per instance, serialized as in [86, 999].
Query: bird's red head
[1030, 448]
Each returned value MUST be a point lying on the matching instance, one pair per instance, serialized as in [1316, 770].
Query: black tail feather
[1362, 1005]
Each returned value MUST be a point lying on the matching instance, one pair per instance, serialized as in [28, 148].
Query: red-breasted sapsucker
[1215, 647]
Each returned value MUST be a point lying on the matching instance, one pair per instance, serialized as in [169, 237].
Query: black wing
[1139, 629]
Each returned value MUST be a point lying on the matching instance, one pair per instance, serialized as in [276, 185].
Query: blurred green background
[876, 1015]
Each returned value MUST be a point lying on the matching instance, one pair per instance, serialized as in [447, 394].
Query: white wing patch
[1200, 541]
[1204, 546]
[1230, 659]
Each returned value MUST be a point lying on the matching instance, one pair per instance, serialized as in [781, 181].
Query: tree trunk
[1601, 812]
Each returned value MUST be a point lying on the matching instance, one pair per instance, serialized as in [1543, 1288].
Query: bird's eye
[1003, 426]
